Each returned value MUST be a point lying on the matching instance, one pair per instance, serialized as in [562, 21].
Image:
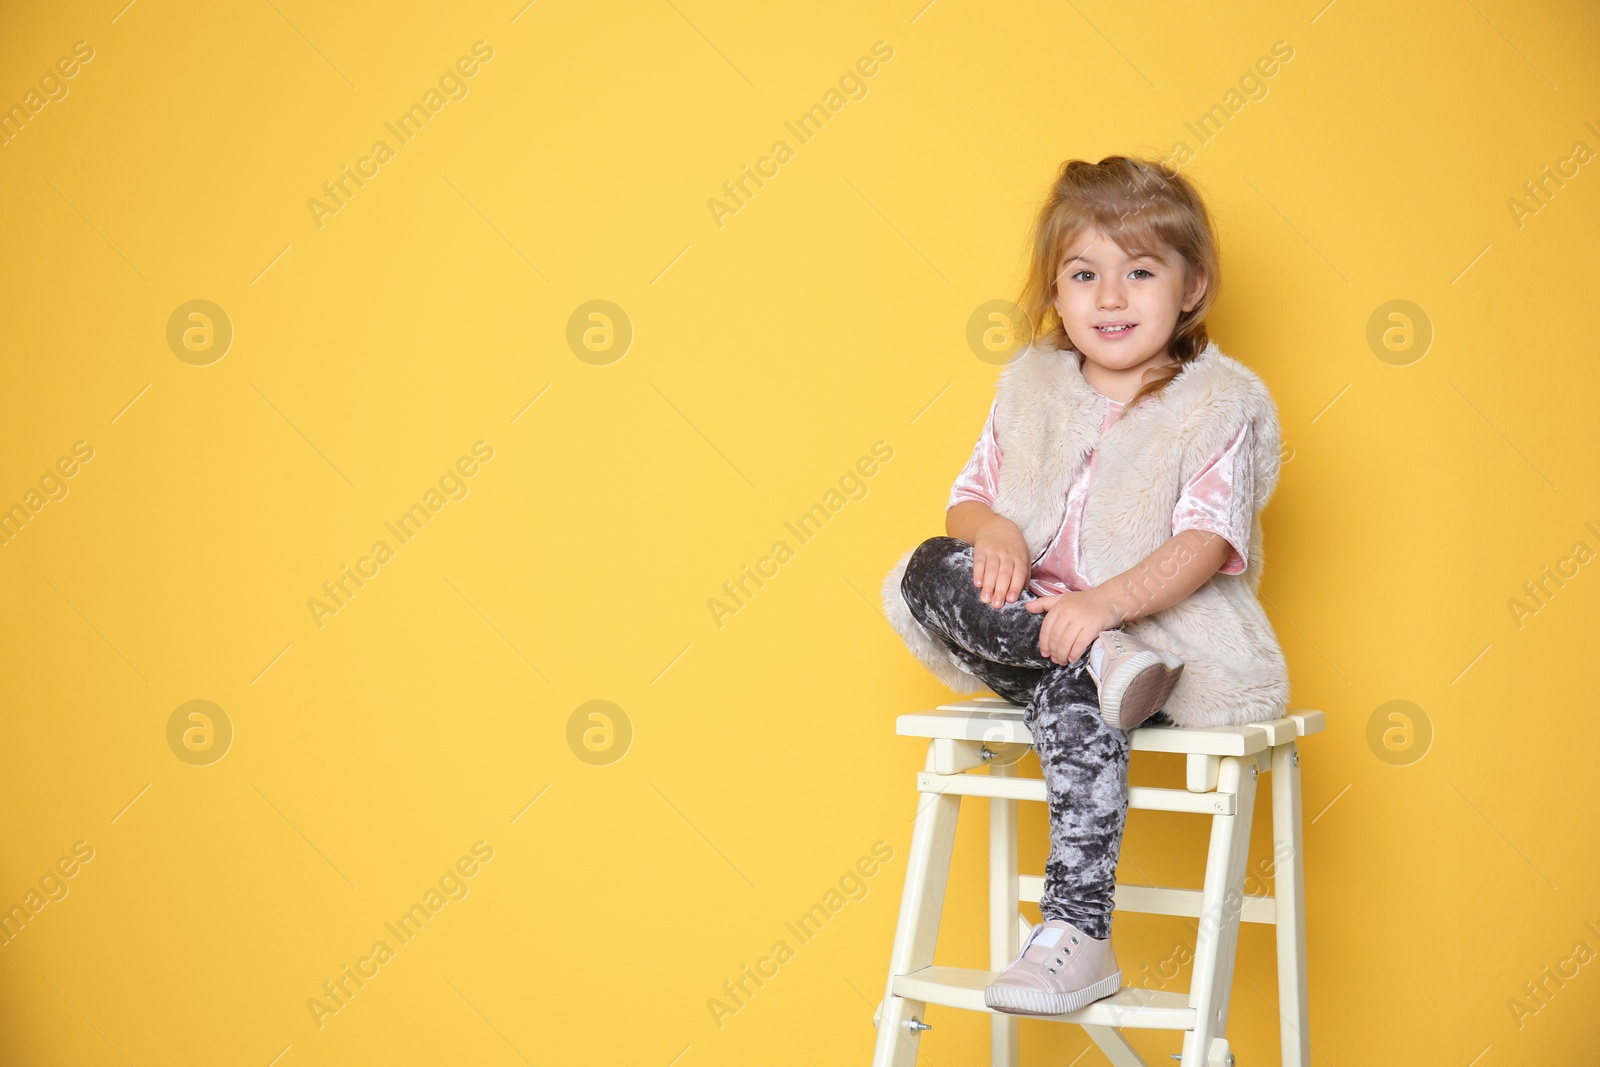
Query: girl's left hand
[1071, 623]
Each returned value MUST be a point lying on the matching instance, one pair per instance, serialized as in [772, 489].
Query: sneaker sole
[1157, 675]
[1015, 1001]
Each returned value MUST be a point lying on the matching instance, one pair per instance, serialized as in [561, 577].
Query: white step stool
[1223, 763]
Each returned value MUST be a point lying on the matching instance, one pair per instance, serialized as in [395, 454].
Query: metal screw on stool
[1295, 759]
[986, 754]
[1254, 770]
[915, 1025]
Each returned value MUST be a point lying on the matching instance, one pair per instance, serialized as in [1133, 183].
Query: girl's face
[1101, 286]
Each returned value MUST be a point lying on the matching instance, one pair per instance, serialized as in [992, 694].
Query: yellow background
[769, 354]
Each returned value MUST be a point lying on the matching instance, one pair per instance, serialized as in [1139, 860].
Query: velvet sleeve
[1220, 498]
[980, 479]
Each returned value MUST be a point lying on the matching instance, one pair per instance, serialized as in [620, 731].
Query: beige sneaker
[1059, 969]
[1134, 679]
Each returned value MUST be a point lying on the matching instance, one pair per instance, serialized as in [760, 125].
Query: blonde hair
[1143, 208]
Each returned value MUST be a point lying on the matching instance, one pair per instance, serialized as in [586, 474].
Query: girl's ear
[1196, 289]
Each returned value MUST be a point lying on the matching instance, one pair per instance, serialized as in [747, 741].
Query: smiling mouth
[1117, 328]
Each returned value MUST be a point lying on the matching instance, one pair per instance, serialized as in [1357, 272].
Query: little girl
[1104, 545]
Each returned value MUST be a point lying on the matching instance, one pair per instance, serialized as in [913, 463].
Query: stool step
[1131, 1007]
[997, 721]
[1162, 900]
[1143, 797]
[997, 727]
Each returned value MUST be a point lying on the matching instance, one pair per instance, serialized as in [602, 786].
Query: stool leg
[1289, 893]
[1005, 1041]
[1221, 901]
[1118, 1051]
[933, 839]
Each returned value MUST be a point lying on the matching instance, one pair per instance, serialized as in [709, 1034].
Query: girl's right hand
[1000, 564]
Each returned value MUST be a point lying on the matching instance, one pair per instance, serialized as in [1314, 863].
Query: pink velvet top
[1218, 498]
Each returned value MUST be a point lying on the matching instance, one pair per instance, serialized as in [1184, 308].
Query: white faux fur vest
[1047, 419]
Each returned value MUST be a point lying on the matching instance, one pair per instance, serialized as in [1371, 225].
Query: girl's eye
[1088, 274]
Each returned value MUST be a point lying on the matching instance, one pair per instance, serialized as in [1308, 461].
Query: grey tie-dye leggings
[1085, 761]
